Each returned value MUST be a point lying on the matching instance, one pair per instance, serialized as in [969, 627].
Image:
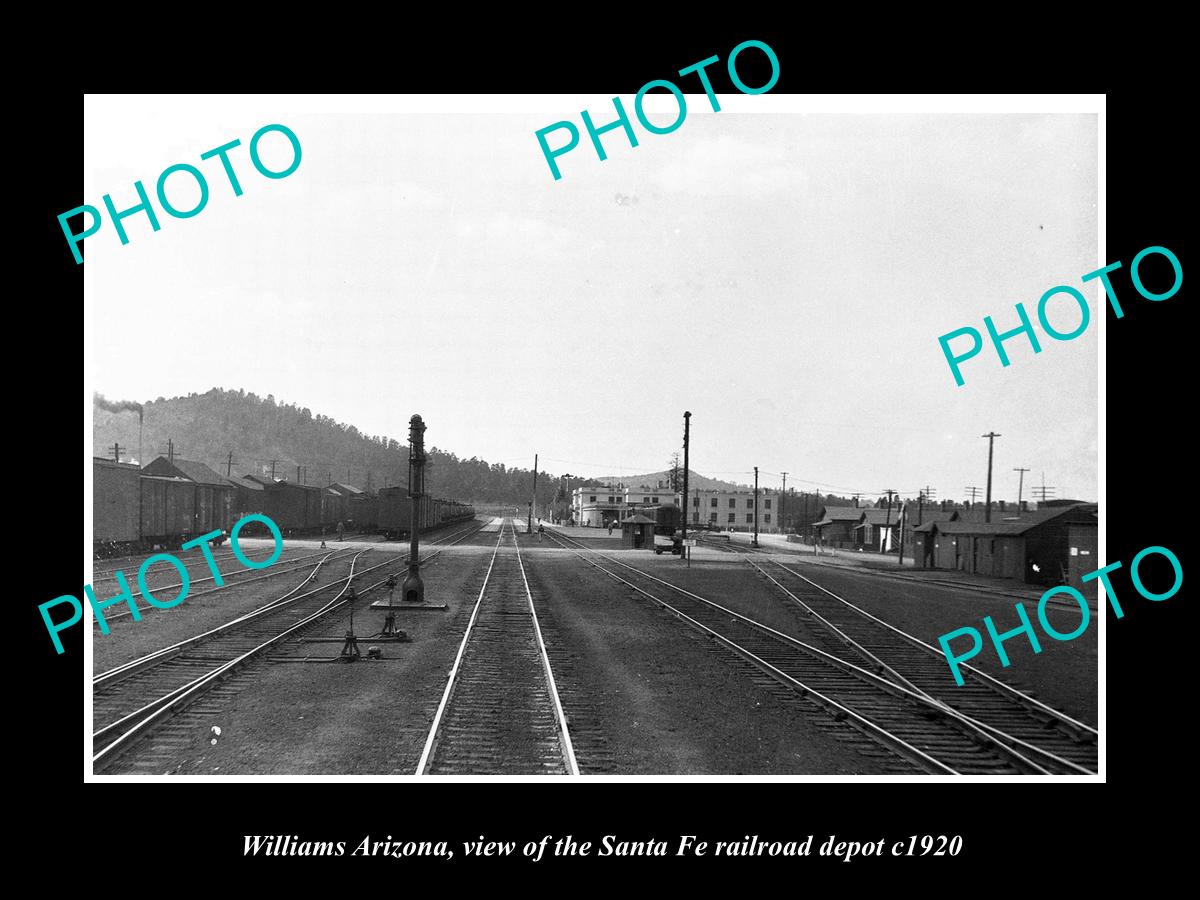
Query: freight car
[395, 513]
[116, 516]
[133, 510]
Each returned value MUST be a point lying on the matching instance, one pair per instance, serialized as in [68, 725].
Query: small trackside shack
[637, 533]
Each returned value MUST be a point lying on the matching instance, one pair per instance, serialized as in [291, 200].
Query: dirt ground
[644, 694]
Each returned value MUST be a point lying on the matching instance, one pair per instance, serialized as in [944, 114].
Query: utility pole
[687, 435]
[987, 512]
[297, 473]
[117, 448]
[924, 495]
[533, 500]
[170, 451]
[754, 543]
[974, 492]
[888, 523]
[1044, 492]
[1020, 485]
[229, 464]
[273, 468]
[856, 496]
[783, 502]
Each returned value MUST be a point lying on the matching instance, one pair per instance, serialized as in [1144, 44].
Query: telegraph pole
[117, 448]
[987, 512]
[783, 503]
[170, 451]
[973, 491]
[687, 428]
[529, 523]
[273, 468]
[1020, 485]
[229, 464]
[754, 542]
[1044, 492]
[888, 522]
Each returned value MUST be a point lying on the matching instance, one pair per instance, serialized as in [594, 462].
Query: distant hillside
[663, 478]
[207, 427]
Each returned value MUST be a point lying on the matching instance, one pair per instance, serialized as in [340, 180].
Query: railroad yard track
[136, 700]
[500, 712]
[996, 730]
[231, 579]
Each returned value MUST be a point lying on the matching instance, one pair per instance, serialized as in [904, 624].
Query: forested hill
[207, 427]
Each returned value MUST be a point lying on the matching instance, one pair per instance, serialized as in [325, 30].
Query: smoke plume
[118, 406]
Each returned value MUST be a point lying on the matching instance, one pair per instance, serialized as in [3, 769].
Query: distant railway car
[247, 497]
[116, 515]
[363, 512]
[295, 508]
[168, 510]
[393, 512]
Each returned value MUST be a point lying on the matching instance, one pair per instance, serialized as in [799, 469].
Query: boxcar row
[135, 510]
[132, 510]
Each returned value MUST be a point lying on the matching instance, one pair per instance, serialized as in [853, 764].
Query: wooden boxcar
[394, 512]
[115, 513]
[168, 508]
[293, 507]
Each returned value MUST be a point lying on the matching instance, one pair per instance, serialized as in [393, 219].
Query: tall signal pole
[1020, 486]
[687, 434]
[413, 590]
[987, 510]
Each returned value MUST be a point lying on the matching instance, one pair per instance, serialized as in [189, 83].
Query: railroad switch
[350, 651]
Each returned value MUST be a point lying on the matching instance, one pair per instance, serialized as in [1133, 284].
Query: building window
[695, 501]
[732, 502]
[732, 518]
[645, 499]
[653, 499]
[696, 517]
[713, 502]
[612, 499]
[749, 503]
[712, 517]
[749, 518]
[592, 499]
[767, 503]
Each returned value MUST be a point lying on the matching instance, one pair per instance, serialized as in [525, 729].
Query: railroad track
[135, 699]
[857, 635]
[926, 732]
[500, 712]
[230, 579]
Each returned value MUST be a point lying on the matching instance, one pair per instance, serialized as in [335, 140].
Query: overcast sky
[785, 277]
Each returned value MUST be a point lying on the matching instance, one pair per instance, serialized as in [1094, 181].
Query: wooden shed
[637, 532]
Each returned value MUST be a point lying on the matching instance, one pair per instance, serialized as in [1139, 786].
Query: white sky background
[799, 268]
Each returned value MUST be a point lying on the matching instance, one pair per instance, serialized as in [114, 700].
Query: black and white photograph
[469, 437]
